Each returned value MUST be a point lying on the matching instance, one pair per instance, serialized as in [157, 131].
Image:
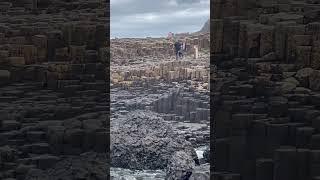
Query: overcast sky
[155, 18]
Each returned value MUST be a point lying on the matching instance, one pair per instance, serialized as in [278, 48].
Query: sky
[156, 18]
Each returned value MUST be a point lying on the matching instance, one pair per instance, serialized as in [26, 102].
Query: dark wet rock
[201, 172]
[142, 140]
[206, 155]
[180, 166]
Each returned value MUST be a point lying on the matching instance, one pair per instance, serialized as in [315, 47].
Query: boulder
[143, 140]
[201, 172]
[180, 166]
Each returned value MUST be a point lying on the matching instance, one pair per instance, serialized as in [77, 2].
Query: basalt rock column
[53, 92]
[266, 58]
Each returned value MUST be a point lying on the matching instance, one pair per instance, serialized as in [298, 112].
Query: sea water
[127, 174]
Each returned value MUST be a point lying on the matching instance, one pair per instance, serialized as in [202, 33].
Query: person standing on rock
[177, 48]
[183, 49]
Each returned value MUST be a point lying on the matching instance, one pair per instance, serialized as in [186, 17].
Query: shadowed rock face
[142, 140]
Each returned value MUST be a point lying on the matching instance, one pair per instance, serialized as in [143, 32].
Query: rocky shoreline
[160, 112]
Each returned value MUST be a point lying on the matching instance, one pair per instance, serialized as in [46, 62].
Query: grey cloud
[140, 18]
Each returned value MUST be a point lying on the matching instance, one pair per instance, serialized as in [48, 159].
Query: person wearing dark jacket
[181, 50]
[177, 48]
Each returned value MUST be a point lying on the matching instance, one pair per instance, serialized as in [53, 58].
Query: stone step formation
[197, 72]
[265, 90]
[54, 101]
